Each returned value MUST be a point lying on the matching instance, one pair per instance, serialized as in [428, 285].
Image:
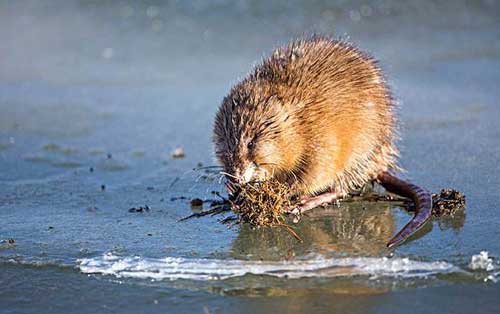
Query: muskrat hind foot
[310, 202]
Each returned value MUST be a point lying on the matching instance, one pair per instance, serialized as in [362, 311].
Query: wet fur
[320, 113]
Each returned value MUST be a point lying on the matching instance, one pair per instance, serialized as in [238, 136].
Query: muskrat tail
[423, 205]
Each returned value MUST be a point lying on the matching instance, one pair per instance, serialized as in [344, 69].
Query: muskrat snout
[247, 173]
[242, 175]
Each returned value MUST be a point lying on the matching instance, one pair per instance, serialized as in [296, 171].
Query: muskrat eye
[251, 145]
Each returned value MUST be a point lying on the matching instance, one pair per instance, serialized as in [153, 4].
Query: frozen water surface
[95, 97]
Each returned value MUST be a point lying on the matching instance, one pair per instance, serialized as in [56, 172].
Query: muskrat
[318, 115]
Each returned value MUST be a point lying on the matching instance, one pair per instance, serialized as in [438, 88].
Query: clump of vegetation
[444, 204]
[262, 203]
[447, 202]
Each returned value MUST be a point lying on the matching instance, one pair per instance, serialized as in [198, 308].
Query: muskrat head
[254, 138]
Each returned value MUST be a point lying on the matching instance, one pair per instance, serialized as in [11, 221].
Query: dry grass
[263, 203]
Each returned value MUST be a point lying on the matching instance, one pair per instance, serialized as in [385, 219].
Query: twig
[291, 231]
[174, 182]
[213, 211]
[228, 219]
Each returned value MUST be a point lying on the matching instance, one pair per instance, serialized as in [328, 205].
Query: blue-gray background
[81, 80]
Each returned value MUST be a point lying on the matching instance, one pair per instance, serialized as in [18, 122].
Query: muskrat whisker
[207, 167]
[216, 193]
[228, 175]
[221, 178]
[207, 175]
[212, 166]
[268, 163]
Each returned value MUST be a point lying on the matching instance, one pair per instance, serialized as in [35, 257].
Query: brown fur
[320, 116]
